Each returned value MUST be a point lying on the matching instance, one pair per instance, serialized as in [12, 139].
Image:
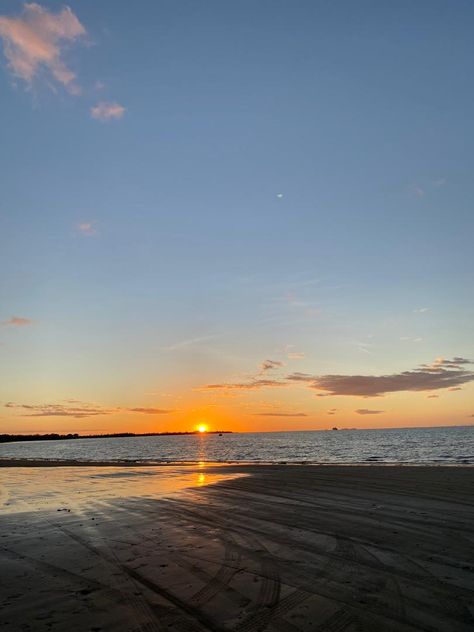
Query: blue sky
[262, 180]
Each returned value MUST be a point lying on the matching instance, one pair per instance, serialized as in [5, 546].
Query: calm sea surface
[438, 446]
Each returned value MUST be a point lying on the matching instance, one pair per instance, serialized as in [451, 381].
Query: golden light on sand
[201, 428]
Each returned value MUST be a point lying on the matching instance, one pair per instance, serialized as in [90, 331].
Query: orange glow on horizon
[249, 412]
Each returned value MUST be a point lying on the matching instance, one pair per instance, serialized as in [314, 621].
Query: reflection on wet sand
[43, 489]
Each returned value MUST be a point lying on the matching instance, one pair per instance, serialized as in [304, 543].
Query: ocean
[416, 446]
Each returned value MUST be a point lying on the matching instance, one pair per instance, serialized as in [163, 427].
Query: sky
[254, 215]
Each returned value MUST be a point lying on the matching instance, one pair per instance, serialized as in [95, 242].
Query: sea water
[435, 446]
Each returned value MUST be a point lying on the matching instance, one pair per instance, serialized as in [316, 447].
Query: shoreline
[41, 463]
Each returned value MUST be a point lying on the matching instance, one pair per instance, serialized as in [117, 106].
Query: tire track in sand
[197, 620]
[214, 584]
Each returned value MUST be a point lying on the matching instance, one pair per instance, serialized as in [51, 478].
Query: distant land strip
[8, 438]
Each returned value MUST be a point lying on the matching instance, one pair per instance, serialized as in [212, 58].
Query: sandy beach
[237, 547]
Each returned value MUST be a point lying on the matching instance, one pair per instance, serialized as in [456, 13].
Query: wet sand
[244, 548]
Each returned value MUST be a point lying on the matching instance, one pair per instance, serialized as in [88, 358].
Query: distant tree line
[52, 436]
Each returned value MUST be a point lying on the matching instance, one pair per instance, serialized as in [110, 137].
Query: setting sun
[201, 428]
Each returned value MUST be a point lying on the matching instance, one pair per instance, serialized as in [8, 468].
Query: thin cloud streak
[243, 386]
[190, 342]
[17, 321]
[80, 410]
[296, 355]
[280, 414]
[148, 411]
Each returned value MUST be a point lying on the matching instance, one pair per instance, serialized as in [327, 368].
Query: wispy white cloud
[409, 339]
[421, 310]
[364, 347]
[107, 111]
[190, 342]
[419, 192]
[35, 41]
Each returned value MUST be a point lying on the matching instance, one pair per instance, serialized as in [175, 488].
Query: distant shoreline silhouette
[7, 438]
